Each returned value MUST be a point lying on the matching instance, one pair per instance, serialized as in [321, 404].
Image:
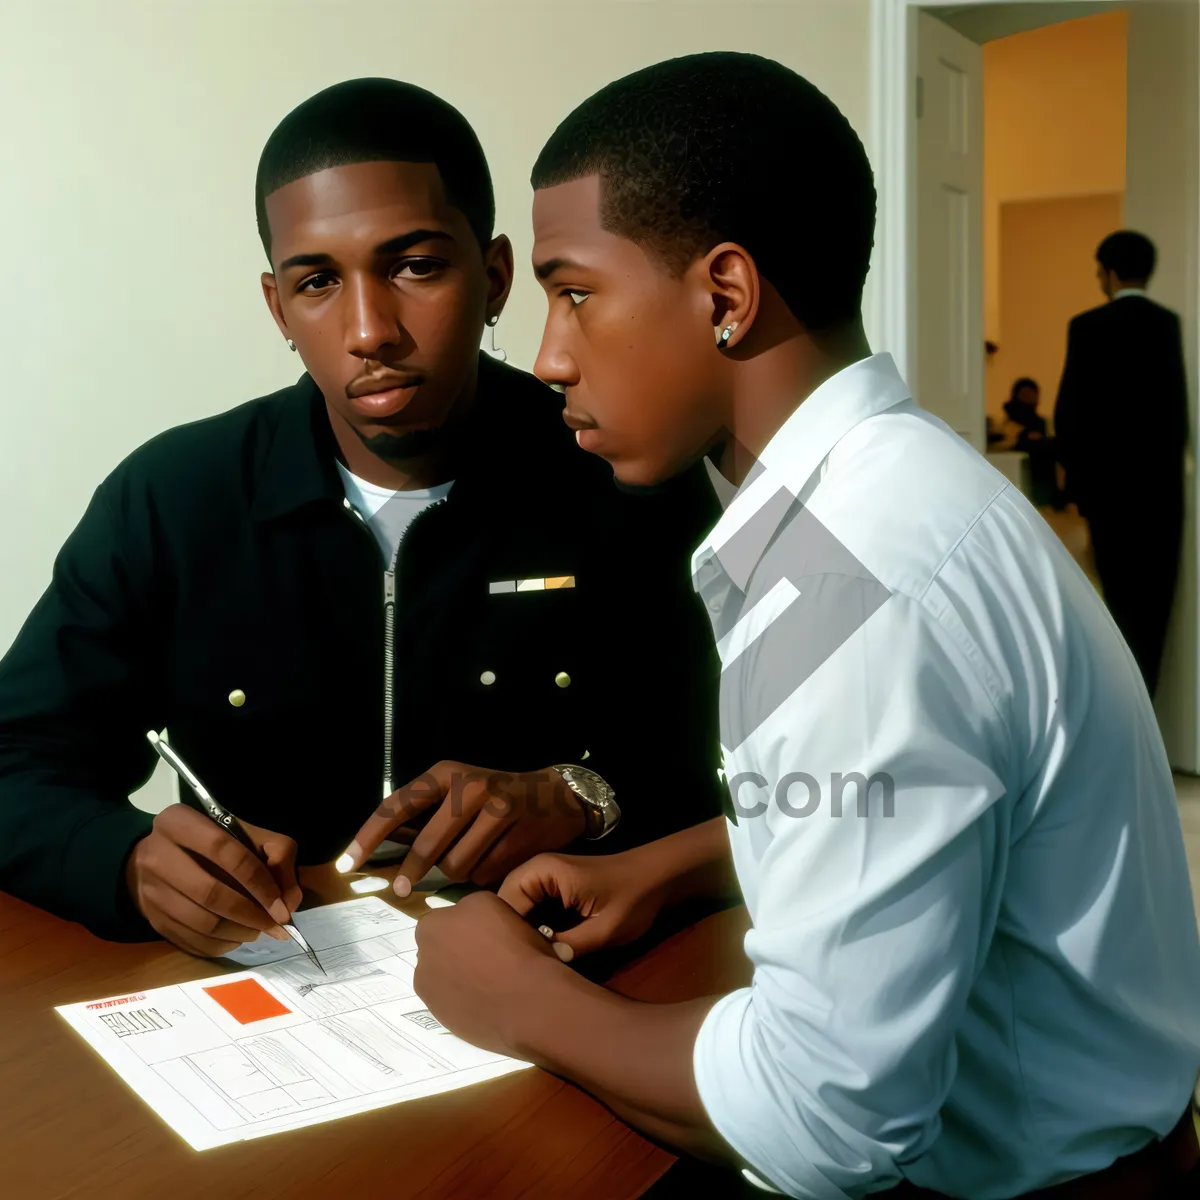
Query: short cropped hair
[725, 146]
[1128, 255]
[378, 120]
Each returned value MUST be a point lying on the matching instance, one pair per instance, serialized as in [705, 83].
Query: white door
[948, 379]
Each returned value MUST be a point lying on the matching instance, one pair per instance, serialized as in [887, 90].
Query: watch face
[597, 797]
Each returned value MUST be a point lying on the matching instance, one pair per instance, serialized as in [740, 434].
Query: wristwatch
[599, 803]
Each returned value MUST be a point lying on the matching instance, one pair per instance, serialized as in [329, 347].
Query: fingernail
[564, 951]
[402, 887]
[280, 913]
[280, 935]
[347, 861]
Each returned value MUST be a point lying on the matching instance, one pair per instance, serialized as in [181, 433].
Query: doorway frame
[890, 299]
[893, 115]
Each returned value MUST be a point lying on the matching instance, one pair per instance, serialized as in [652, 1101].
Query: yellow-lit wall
[1047, 274]
[1054, 127]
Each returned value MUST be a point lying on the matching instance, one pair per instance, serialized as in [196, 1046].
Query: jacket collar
[510, 418]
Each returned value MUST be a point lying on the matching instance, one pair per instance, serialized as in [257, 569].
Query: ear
[271, 296]
[498, 266]
[734, 285]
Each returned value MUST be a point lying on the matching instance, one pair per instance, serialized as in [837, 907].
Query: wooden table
[69, 1127]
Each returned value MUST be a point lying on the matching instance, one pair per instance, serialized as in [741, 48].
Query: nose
[554, 365]
[371, 317]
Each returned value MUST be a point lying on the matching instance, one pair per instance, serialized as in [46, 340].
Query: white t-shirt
[388, 513]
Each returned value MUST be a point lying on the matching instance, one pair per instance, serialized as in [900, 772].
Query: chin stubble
[399, 447]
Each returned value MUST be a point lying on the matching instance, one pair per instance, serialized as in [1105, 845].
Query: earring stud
[723, 335]
[291, 344]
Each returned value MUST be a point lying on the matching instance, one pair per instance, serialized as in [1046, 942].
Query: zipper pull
[389, 587]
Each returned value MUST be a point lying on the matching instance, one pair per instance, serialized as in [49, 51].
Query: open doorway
[1054, 164]
[989, 219]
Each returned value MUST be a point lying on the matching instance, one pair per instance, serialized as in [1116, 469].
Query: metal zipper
[389, 670]
[389, 639]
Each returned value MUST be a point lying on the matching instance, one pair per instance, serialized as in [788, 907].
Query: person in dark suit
[1121, 426]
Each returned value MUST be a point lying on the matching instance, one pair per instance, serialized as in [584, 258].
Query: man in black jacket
[1121, 426]
[397, 579]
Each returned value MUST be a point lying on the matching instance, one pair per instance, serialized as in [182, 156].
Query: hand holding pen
[205, 891]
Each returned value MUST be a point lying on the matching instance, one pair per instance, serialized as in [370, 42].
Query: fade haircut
[378, 120]
[733, 147]
[1128, 255]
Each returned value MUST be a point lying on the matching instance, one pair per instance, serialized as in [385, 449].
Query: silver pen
[203, 803]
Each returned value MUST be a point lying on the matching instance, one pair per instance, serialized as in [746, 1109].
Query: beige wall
[132, 130]
[1054, 126]
[132, 300]
[1047, 275]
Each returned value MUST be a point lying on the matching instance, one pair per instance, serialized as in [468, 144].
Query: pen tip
[152, 737]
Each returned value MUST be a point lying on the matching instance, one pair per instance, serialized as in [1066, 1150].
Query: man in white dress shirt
[976, 970]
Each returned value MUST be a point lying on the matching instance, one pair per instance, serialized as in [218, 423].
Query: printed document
[278, 1045]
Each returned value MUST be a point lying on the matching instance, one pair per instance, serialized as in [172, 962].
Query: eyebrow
[545, 269]
[396, 245]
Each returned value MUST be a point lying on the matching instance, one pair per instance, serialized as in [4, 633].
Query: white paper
[218, 1068]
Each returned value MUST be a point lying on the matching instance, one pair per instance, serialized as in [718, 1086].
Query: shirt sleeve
[827, 1074]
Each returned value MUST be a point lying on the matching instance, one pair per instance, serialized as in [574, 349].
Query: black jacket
[220, 556]
[1121, 422]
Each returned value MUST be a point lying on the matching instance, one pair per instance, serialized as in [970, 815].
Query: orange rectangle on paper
[247, 1001]
[560, 581]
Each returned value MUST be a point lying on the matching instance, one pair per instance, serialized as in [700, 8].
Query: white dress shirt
[995, 986]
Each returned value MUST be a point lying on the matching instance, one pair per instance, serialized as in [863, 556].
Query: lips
[378, 400]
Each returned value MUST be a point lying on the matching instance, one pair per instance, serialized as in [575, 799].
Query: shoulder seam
[962, 537]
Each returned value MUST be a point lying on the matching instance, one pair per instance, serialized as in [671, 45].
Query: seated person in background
[1024, 424]
[1025, 431]
[394, 579]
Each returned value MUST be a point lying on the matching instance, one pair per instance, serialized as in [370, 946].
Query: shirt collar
[1129, 292]
[861, 390]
